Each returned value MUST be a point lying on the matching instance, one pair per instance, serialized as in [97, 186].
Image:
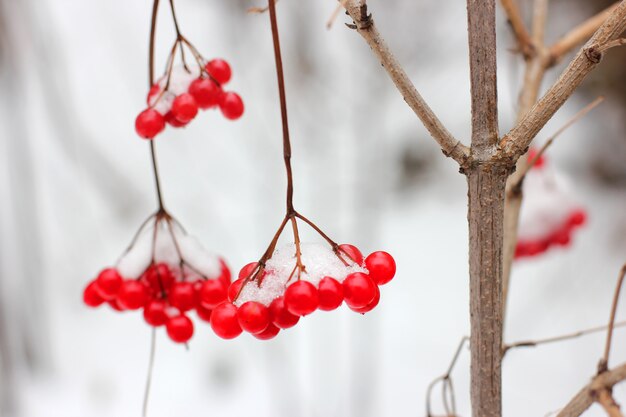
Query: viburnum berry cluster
[549, 214]
[272, 296]
[165, 273]
[183, 90]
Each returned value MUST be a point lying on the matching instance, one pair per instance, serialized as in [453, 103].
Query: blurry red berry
[281, 317]
[330, 293]
[149, 123]
[132, 295]
[115, 305]
[204, 313]
[184, 108]
[381, 267]
[179, 328]
[231, 105]
[108, 283]
[577, 218]
[358, 290]
[206, 92]
[212, 292]
[268, 333]
[91, 296]
[155, 313]
[536, 247]
[224, 321]
[247, 270]
[253, 317]
[301, 298]
[353, 252]
[532, 152]
[183, 296]
[234, 289]
[562, 237]
[159, 277]
[219, 70]
[370, 306]
[521, 250]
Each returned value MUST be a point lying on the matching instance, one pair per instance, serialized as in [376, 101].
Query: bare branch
[579, 34]
[518, 139]
[540, 15]
[604, 362]
[519, 28]
[606, 400]
[364, 25]
[335, 13]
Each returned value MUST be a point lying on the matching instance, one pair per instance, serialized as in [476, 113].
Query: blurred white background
[75, 183]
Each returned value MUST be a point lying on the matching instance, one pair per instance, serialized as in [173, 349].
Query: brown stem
[519, 28]
[604, 362]
[606, 400]
[447, 386]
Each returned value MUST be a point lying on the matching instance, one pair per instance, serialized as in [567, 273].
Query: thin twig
[519, 28]
[335, 13]
[606, 400]
[146, 395]
[604, 362]
[447, 385]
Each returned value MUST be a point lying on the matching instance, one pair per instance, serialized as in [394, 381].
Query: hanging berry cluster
[183, 90]
[549, 214]
[296, 280]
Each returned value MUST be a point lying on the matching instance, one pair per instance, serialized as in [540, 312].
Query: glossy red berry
[183, 296]
[330, 293]
[247, 270]
[206, 92]
[171, 120]
[204, 313]
[179, 328]
[358, 290]
[224, 321]
[108, 283]
[281, 317]
[253, 317]
[301, 298]
[268, 333]
[212, 292]
[353, 252]
[370, 306]
[381, 267]
[132, 295]
[159, 277]
[91, 296]
[149, 123]
[184, 108]
[219, 70]
[231, 105]
[234, 289]
[155, 313]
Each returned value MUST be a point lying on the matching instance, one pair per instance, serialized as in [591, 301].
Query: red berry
[171, 120]
[358, 290]
[159, 277]
[301, 298]
[381, 267]
[179, 328]
[521, 250]
[247, 270]
[225, 275]
[578, 218]
[281, 317]
[330, 294]
[224, 321]
[537, 247]
[234, 289]
[149, 123]
[108, 283]
[370, 306]
[562, 237]
[91, 296]
[206, 92]
[212, 293]
[115, 305]
[183, 296]
[219, 70]
[253, 317]
[132, 295]
[353, 252]
[155, 313]
[268, 333]
[204, 313]
[184, 108]
[231, 105]
[531, 155]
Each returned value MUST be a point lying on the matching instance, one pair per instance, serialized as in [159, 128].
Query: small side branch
[524, 39]
[606, 400]
[604, 362]
[364, 25]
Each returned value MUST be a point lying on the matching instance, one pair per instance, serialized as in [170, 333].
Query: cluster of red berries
[359, 290]
[559, 237]
[164, 295]
[178, 106]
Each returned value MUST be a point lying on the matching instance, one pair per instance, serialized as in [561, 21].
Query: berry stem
[179, 36]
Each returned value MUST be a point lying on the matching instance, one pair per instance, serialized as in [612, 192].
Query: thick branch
[519, 138]
[481, 15]
[364, 25]
[579, 34]
[519, 28]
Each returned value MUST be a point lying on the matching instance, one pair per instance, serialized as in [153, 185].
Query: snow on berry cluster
[153, 277]
[278, 298]
[549, 213]
[176, 98]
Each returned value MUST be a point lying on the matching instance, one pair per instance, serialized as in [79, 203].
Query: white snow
[319, 260]
[180, 80]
